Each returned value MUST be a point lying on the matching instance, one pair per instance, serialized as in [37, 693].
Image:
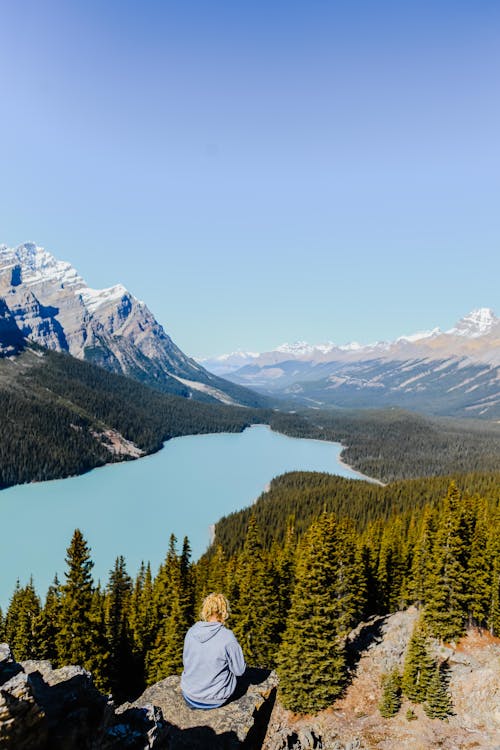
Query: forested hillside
[294, 600]
[390, 444]
[61, 416]
[304, 495]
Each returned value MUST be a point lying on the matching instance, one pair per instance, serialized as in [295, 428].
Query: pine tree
[438, 703]
[2, 627]
[350, 583]
[141, 610]
[422, 556]
[121, 665]
[217, 572]
[78, 637]
[256, 612]
[187, 585]
[390, 568]
[494, 610]
[446, 604]
[285, 565]
[391, 694]
[494, 588]
[418, 666]
[311, 659]
[479, 571]
[48, 624]
[98, 660]
[20, 622]
[175, 597]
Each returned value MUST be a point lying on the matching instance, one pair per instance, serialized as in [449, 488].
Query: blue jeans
[205, 706]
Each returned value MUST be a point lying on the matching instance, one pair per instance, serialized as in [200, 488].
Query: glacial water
[132, 508]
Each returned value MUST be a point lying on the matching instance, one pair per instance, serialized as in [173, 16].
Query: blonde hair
[215, 604]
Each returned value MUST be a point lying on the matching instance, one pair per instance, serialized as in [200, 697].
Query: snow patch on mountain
[94, 298]
[420, 335]
[477, 323]
[37, 265]
[209, 390]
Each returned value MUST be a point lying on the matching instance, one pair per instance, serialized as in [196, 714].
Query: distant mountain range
[455, 372]
[44, 300]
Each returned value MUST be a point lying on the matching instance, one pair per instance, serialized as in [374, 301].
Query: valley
[455, 373]
[359, 481]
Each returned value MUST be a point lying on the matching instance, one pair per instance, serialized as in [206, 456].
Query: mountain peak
[478, 322]
[298, 347]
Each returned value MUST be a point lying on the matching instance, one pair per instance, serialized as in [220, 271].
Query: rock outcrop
[240, 723]
[354, 722]
[12, 341]
[60, 709]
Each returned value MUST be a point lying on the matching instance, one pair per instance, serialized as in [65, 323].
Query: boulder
[241, 723]
[42, 708]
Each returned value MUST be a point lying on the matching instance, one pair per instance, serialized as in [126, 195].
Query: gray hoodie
[212, 660]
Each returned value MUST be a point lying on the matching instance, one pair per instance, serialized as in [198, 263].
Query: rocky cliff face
[46, 709]
[59, 709]
[12, 341]
[354, 722]
[52, 305]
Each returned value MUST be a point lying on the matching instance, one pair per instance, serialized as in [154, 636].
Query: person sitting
[212, 657]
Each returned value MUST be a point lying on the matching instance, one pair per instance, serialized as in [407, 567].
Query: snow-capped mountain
[479, 324]
[53, 306]
[441, 372]
[227, 363]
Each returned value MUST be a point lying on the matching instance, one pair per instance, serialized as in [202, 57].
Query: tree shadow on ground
[203, 738]
[368, 634]
[252, 676]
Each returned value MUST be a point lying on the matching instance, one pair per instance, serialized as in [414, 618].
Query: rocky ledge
[60, 709]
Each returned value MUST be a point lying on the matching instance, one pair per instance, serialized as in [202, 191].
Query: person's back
[212, 657]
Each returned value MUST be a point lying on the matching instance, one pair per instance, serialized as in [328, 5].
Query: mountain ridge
[54, 307]
[450, 373]
[481, 322]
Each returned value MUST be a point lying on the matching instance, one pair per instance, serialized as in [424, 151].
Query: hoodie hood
[203, 631]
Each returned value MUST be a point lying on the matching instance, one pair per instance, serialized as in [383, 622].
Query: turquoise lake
[132, 508]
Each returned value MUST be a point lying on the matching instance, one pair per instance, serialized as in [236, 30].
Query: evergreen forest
[341, 552]
[57, 415]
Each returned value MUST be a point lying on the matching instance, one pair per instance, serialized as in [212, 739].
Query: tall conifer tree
[391, 694]
[479, 571]
[422, 558]
[311, 659]
[438, 704]
[121, 666]
[48, 624]
[418, 665]
[446, 604]
[175, 599]
[20, 622]
[78, 639]
[257, 611]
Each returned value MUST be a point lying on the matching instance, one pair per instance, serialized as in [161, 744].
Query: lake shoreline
[128, 457]
[131, 507]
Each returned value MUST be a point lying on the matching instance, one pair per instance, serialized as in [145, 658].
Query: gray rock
[8, 667]
[22, 721]
[12, 341]
[241, 722]
[60, 709]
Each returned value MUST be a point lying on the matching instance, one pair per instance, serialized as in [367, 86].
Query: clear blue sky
[260, 171]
